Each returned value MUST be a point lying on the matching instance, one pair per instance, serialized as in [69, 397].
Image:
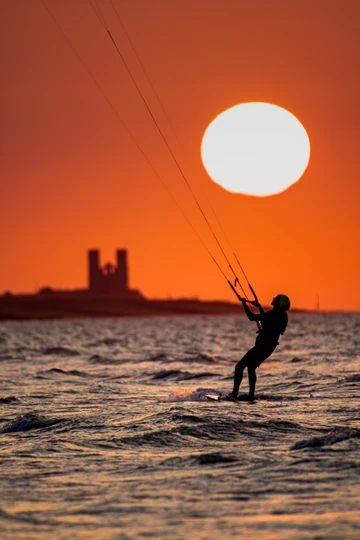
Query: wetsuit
[273, 323]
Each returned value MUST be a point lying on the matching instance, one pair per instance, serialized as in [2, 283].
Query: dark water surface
[105, 431]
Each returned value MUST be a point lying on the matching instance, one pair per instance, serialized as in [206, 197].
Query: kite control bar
[241, 299]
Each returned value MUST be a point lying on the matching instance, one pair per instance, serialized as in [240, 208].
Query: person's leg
[240, 366]
[261, 353]
[252, 381]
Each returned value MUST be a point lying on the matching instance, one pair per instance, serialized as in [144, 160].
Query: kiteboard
[213, 398]
[227, 397]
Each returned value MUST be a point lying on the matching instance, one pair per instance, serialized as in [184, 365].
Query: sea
[106, 431]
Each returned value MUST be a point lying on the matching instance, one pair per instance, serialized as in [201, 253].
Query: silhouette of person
[271, 325]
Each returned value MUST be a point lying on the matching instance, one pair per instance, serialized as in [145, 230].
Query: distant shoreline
[70, 306]
[29, 308]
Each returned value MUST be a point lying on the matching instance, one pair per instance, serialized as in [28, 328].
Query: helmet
[283, 302]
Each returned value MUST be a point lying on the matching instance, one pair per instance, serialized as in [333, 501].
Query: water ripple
[27, 422]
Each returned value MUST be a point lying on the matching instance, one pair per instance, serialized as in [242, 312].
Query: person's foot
[246, 397]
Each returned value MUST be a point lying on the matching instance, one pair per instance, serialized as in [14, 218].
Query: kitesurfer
[271, 325]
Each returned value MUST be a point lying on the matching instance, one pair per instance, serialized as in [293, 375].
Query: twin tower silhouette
[110, 279]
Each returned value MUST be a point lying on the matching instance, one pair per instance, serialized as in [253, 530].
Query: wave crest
[27, 422]
[332, 437]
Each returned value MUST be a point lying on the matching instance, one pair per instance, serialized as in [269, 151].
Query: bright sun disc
[256, 149]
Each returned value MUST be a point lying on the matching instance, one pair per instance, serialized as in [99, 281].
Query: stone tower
[108, 279]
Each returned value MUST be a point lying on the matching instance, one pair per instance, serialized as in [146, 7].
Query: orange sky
[72, 179]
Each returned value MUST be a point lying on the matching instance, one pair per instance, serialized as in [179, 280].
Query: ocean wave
[181, 434]
[60, 351]
[73, 372]
[193, 359]
[14, 355]
[27, 422]
[109, 342]
[277, 426]
[161, 357]
[212, 458]
[98, 359]
[215, 429]
[303, 373]
[198, 359]
[188, 429]
[182, 417]
[278, 397]
[179, 375]
[9, 399]
[163, 437]
[352, 378]
[332, 437]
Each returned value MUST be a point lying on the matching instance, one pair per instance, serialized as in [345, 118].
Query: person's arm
[253, 316]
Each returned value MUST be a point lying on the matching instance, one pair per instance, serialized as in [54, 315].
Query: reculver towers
[109, 279]
[107, 295]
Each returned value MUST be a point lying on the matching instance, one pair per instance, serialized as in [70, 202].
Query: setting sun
[255, 149]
